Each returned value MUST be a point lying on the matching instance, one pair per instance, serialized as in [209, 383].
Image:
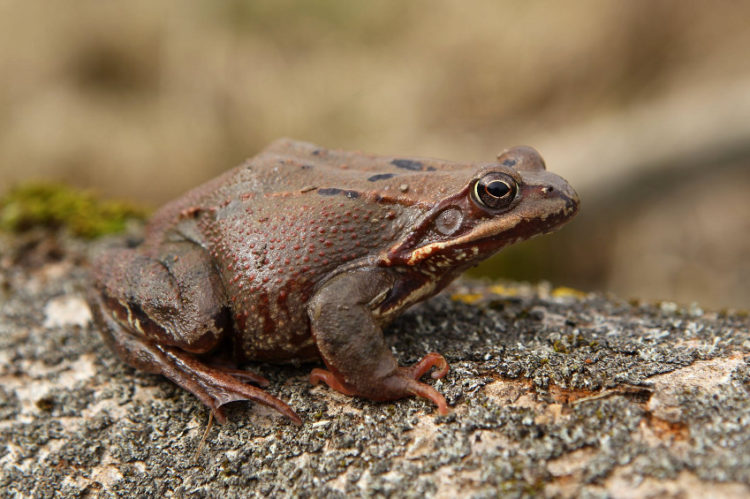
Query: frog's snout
[570, 197]
[562, 194]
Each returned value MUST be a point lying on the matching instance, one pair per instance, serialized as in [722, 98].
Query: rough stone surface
[554, 393]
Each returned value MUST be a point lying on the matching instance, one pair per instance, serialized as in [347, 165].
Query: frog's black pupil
[495, 191]
[498, 188]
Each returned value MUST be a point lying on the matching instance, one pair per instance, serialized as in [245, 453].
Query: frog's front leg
[158, 313]
[351, 343]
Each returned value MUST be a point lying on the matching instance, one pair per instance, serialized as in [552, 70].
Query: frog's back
[279, 225]
[285, 220]
[290, 170]
[287, 166]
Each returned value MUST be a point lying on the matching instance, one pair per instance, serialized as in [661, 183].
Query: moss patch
[47, 204]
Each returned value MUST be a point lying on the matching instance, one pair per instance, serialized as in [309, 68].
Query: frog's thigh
[153, 311]
[175, 298]
[348, 337]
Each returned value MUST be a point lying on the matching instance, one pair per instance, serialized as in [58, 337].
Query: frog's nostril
[548, 189]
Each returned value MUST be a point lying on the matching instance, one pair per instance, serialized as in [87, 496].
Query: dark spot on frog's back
[408, 164]
[332, 191]
[509, 162]
[413, 165]
[381, 176]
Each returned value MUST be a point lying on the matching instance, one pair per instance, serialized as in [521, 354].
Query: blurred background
[644, 106]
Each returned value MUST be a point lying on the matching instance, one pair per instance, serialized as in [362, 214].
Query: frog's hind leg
[155, 325]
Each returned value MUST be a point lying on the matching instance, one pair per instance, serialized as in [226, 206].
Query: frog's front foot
[403, 382]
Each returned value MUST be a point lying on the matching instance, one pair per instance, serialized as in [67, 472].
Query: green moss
[54, 205]
[559, 347]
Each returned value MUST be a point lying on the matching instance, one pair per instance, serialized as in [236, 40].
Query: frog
[302, 254]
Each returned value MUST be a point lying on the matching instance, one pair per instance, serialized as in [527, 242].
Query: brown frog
[304, 253]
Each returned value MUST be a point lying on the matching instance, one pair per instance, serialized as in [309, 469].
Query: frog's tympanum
[304, 253]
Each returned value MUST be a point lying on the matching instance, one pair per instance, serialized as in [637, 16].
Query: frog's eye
[495, 191]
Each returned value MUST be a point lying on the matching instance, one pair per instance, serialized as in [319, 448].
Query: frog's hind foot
[218, 386]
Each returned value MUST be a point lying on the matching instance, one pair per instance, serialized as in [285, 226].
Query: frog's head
[493, 205]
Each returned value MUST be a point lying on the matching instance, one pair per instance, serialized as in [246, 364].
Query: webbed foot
[216, 386]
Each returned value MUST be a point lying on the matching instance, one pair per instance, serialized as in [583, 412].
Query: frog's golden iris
[495, 191]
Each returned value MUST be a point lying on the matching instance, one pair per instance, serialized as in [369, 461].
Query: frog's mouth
[486, 237]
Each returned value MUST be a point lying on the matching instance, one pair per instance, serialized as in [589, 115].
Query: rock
[554, 392]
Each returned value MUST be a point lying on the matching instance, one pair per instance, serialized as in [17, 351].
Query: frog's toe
[426, 391]
[408, 379]
[243, 374]
[317, 375]
[403, 384]
[432, 359]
